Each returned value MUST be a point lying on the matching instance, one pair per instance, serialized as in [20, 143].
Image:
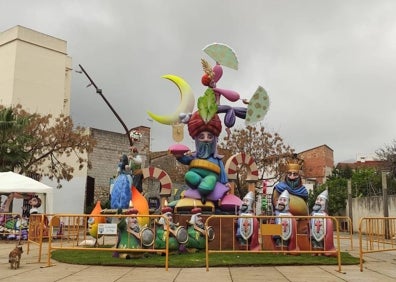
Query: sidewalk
[377, 267]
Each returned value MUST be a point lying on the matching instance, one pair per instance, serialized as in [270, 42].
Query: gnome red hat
[197, 125]
[132, 211]
[166, 210]
[195, 212]
[167, 213]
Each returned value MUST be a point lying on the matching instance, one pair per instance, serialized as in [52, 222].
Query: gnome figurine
[177, 234]
[197, 231]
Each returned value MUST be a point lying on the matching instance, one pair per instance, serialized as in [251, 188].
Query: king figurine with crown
[298, 192]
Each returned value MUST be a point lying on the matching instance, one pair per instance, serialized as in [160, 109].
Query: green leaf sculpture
[207, 106]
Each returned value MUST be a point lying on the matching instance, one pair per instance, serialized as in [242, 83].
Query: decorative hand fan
[258, 106]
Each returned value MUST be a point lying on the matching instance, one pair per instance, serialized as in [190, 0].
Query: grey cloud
[327, 68]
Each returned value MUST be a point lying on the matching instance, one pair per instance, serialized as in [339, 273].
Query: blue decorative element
[298, 191]
[121, 193]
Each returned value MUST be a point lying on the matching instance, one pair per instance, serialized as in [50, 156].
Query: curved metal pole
[99, 91]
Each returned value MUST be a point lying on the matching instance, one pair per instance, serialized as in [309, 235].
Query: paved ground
[379, 267]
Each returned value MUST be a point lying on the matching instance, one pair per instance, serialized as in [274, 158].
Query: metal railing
[346, 229]
[38, 232]
[75, 234]
[266, 232]
[71, 231]
[376, 234]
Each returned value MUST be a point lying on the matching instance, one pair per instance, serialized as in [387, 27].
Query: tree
[388, 154]
[338, 195]
[12, 140]
[365, 182]
[268, 150]
[344, 172]
[42, 145]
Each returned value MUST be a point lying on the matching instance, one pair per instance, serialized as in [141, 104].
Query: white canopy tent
[13, 182]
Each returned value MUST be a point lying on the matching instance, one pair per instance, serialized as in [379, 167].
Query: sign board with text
[107, 228]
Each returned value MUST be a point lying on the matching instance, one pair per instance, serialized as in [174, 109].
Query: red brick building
[376, 164]
[318, 164]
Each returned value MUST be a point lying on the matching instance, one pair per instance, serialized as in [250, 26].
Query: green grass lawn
[198, 259]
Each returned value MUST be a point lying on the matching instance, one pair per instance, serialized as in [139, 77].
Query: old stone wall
[104, 158]
[371, 207]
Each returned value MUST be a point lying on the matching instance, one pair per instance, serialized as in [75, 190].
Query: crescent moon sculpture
[187, 102]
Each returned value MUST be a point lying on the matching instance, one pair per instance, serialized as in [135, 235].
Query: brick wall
[104, 158]
[318, 163]
[168, 162]
[111, 145]
[143, 145]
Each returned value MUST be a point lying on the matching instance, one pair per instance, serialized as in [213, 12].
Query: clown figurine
[206, 167]
[321, 228]
[289, 225]
[248, 227]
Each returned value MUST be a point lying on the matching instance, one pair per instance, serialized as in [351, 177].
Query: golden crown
[293, 167]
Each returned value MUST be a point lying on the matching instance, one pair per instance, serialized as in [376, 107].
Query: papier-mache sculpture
[197, 232]
[178, 236]
[321, 228]
[287, 240]
[248, 227]
[206, 178]
[131, 235]
[298, 193]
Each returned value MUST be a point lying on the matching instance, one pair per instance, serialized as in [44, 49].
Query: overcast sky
[329, 67]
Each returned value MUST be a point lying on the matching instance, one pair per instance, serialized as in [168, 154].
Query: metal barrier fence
[346, 229]
[38, 232]
[376, 234]
[72, 232]
[266, 233]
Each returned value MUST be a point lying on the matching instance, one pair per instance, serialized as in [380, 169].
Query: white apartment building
[35, 71]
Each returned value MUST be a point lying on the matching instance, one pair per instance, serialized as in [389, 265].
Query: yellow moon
[187, 102]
